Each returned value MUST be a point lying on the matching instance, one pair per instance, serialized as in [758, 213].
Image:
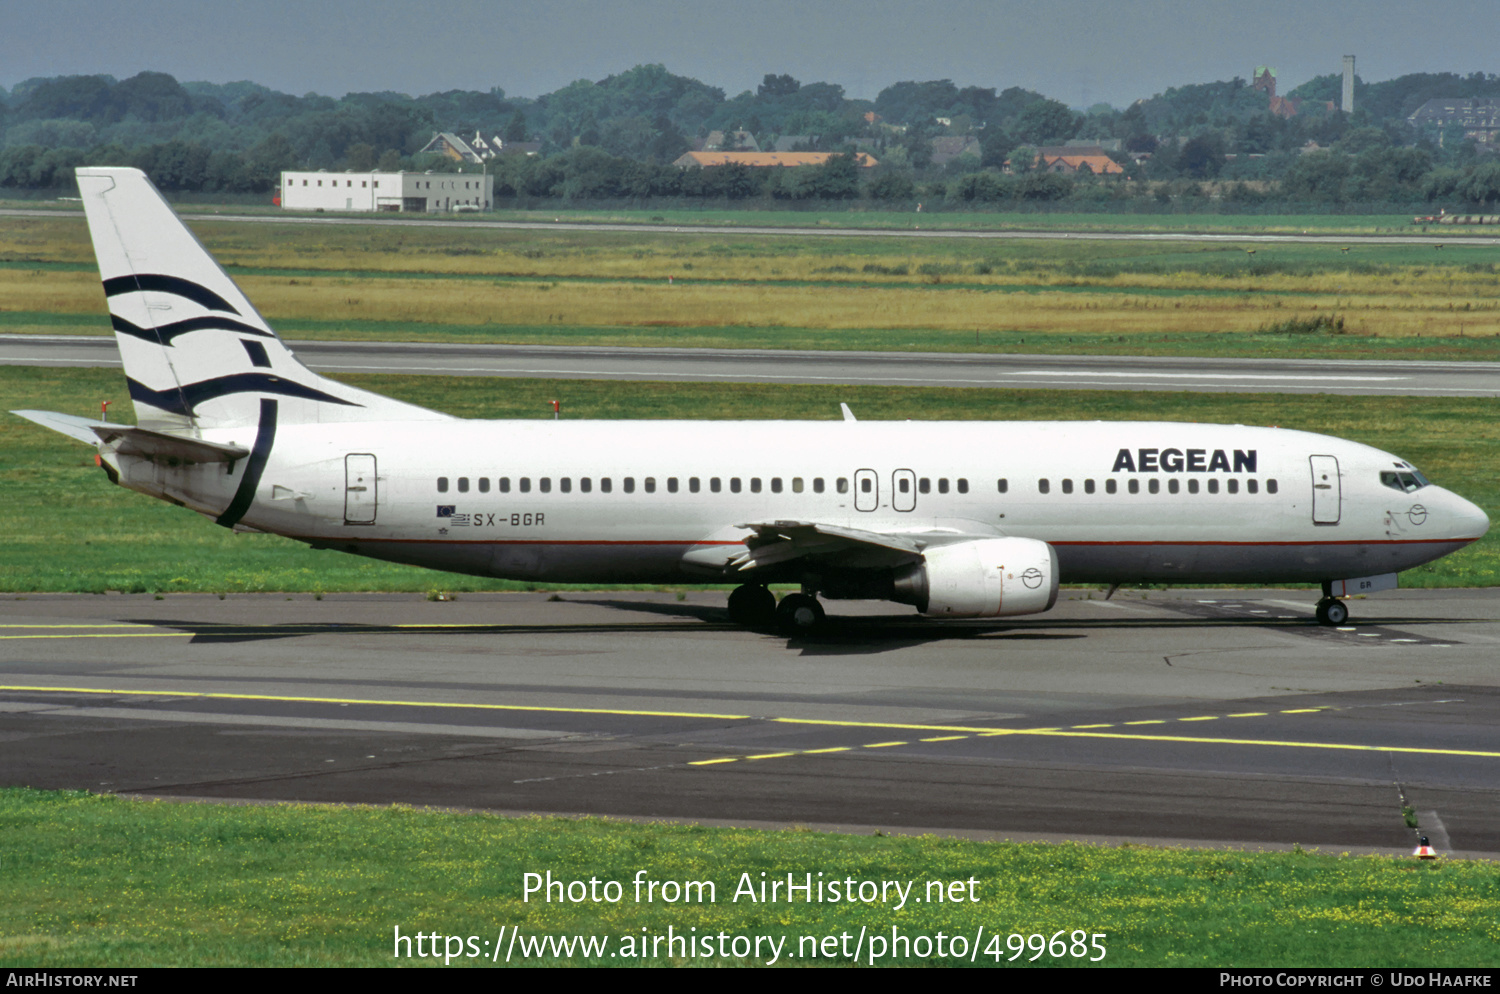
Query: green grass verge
[102, 881]
[1242, 345]
[63, 527]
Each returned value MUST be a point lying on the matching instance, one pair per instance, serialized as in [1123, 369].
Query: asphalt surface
[1348, 377]
[1447, 236]
[1217, 717]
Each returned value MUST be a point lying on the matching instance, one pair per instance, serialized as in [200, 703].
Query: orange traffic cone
[1425, 851]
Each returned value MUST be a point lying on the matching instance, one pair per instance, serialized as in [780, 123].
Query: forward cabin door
[360, 495]
[866, 490]
[1327, 494]
[904, 490]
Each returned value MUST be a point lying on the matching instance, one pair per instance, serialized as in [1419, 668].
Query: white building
[409, 192]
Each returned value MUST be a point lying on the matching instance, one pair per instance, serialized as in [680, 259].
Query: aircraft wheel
[1332, 612]
[752, 605]
[798, 613]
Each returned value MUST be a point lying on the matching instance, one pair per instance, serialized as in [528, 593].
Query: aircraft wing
[837, 546]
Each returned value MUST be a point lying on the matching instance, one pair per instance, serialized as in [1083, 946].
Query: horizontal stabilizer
[132, 441]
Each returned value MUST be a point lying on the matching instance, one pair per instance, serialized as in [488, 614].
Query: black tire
[1332, 613]
[798, 613]
[752, 605]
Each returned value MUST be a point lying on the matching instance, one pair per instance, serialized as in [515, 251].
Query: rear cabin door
[1327, 493]
[360, 495]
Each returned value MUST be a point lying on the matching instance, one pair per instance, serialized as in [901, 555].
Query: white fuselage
[1119, 502]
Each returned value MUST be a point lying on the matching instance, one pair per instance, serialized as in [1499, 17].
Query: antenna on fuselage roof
[848, 414]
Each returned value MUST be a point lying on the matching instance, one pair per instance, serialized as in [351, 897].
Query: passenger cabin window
[1067, 486]
[630, 484]
[692, 484]
[545, 484]
[505, 484]
[1088, 486]
[565, 485]
[775, 484]
[924, 486]
[842, 485]
[1213, 486]
[734, 484]
[442, 484]
[865, 484]
[525, 484]
[817, 484]
[1251, 486]
[942, 485]
[1002, 485]
[1270, 486]
[1154, 485]
[1233, 485]
[484, 484]
[714, 484]
[963, 486]
[585, 484]
[1043, 486]
[755, 484]
[650, 484]
[671, 484]
[606, 485]
[1135, 486]
[1172, 486]
[463, 484]
[1110, 486]
[903, 485]
[1192, 486]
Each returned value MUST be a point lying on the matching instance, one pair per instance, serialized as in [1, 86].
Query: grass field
[798, 291]
[101, 881]
[63, 527]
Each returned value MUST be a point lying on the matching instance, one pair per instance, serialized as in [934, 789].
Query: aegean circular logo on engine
[1032, 578]
[1417, 514]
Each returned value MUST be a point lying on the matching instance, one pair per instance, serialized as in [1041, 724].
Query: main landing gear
[755, 607]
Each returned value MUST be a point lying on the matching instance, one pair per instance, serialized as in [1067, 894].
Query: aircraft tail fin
[196, 353]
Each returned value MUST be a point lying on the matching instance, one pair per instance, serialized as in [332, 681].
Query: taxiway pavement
[927, 369]
[1210, 717]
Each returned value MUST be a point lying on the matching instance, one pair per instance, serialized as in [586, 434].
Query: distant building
[1265, 81]
[1070, 160]
[478, 149]
[405, 192]
[737, 141]
[760, 160]
[949, 147]
[1480, 119]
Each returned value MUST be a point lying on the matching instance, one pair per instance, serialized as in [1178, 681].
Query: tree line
[616, 138]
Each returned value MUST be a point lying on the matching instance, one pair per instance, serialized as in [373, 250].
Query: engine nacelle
[985, 578]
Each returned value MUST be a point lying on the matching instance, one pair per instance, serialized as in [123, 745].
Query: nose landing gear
[1332, 612]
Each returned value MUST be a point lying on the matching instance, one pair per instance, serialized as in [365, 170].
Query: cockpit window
[1406, 482]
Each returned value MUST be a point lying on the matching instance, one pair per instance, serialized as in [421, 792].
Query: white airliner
[961, 520]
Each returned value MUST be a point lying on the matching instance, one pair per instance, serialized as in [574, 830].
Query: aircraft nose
[1469, 518]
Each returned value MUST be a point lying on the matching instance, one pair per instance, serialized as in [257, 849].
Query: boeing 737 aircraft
[961, 520]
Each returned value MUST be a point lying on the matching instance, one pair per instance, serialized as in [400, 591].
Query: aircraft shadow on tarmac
[839, 635]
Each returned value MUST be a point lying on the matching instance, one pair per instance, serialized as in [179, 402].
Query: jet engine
[985, 578]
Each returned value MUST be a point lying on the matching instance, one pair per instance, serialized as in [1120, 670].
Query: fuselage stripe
[255, 465]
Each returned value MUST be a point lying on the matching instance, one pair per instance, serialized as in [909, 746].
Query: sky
[1077, 51]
